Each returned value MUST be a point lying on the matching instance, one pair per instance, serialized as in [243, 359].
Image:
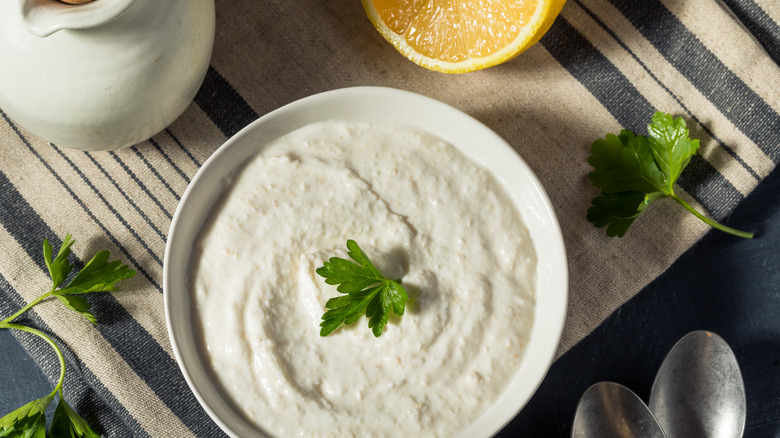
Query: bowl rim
[378, 104]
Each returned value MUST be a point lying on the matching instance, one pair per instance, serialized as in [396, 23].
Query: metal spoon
[698, 391]
[610, 410]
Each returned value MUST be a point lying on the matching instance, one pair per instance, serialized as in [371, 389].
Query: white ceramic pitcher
[102, 75]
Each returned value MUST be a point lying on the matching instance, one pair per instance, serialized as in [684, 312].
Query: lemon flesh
[458, 36]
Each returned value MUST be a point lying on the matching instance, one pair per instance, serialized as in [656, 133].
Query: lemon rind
[537, 26]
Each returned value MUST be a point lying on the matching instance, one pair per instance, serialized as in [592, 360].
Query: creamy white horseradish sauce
[423, 213]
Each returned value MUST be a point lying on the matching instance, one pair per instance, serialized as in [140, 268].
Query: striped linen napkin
[603, 66]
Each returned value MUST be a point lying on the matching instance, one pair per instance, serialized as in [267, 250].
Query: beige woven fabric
[599, 69]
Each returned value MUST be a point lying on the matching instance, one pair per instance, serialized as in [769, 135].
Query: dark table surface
[723, 284]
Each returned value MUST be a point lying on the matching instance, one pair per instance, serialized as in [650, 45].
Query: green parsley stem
[711, 222]
[48, 341]
[27, 307]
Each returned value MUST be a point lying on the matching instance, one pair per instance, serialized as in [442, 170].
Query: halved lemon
[458, 36]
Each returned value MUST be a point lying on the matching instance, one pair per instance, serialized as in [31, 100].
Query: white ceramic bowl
[473, 138]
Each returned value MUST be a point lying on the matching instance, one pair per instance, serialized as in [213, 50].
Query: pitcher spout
[44, 17]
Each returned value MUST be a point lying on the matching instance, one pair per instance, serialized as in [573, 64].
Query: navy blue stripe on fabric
[141, 184]
[105, 202]
[186, 151]
[222, 103]
[170, 162]
[154, 171]
[740, 104]
[81, 204]
[82, 390]
[650, 73]
[127, 198]
[699, 181]
[136, 346]
[760, 24]
[619, 96]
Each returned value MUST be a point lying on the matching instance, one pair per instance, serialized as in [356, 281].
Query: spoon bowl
[698, 391]
[610, 410]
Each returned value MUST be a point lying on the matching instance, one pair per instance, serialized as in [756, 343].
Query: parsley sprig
[99, 275]
[633, 171]
[366, 290]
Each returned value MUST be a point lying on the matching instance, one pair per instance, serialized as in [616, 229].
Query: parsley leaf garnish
[28, 420]
[67, 423]
[366, 290]
[633, 171]
[98, 275]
